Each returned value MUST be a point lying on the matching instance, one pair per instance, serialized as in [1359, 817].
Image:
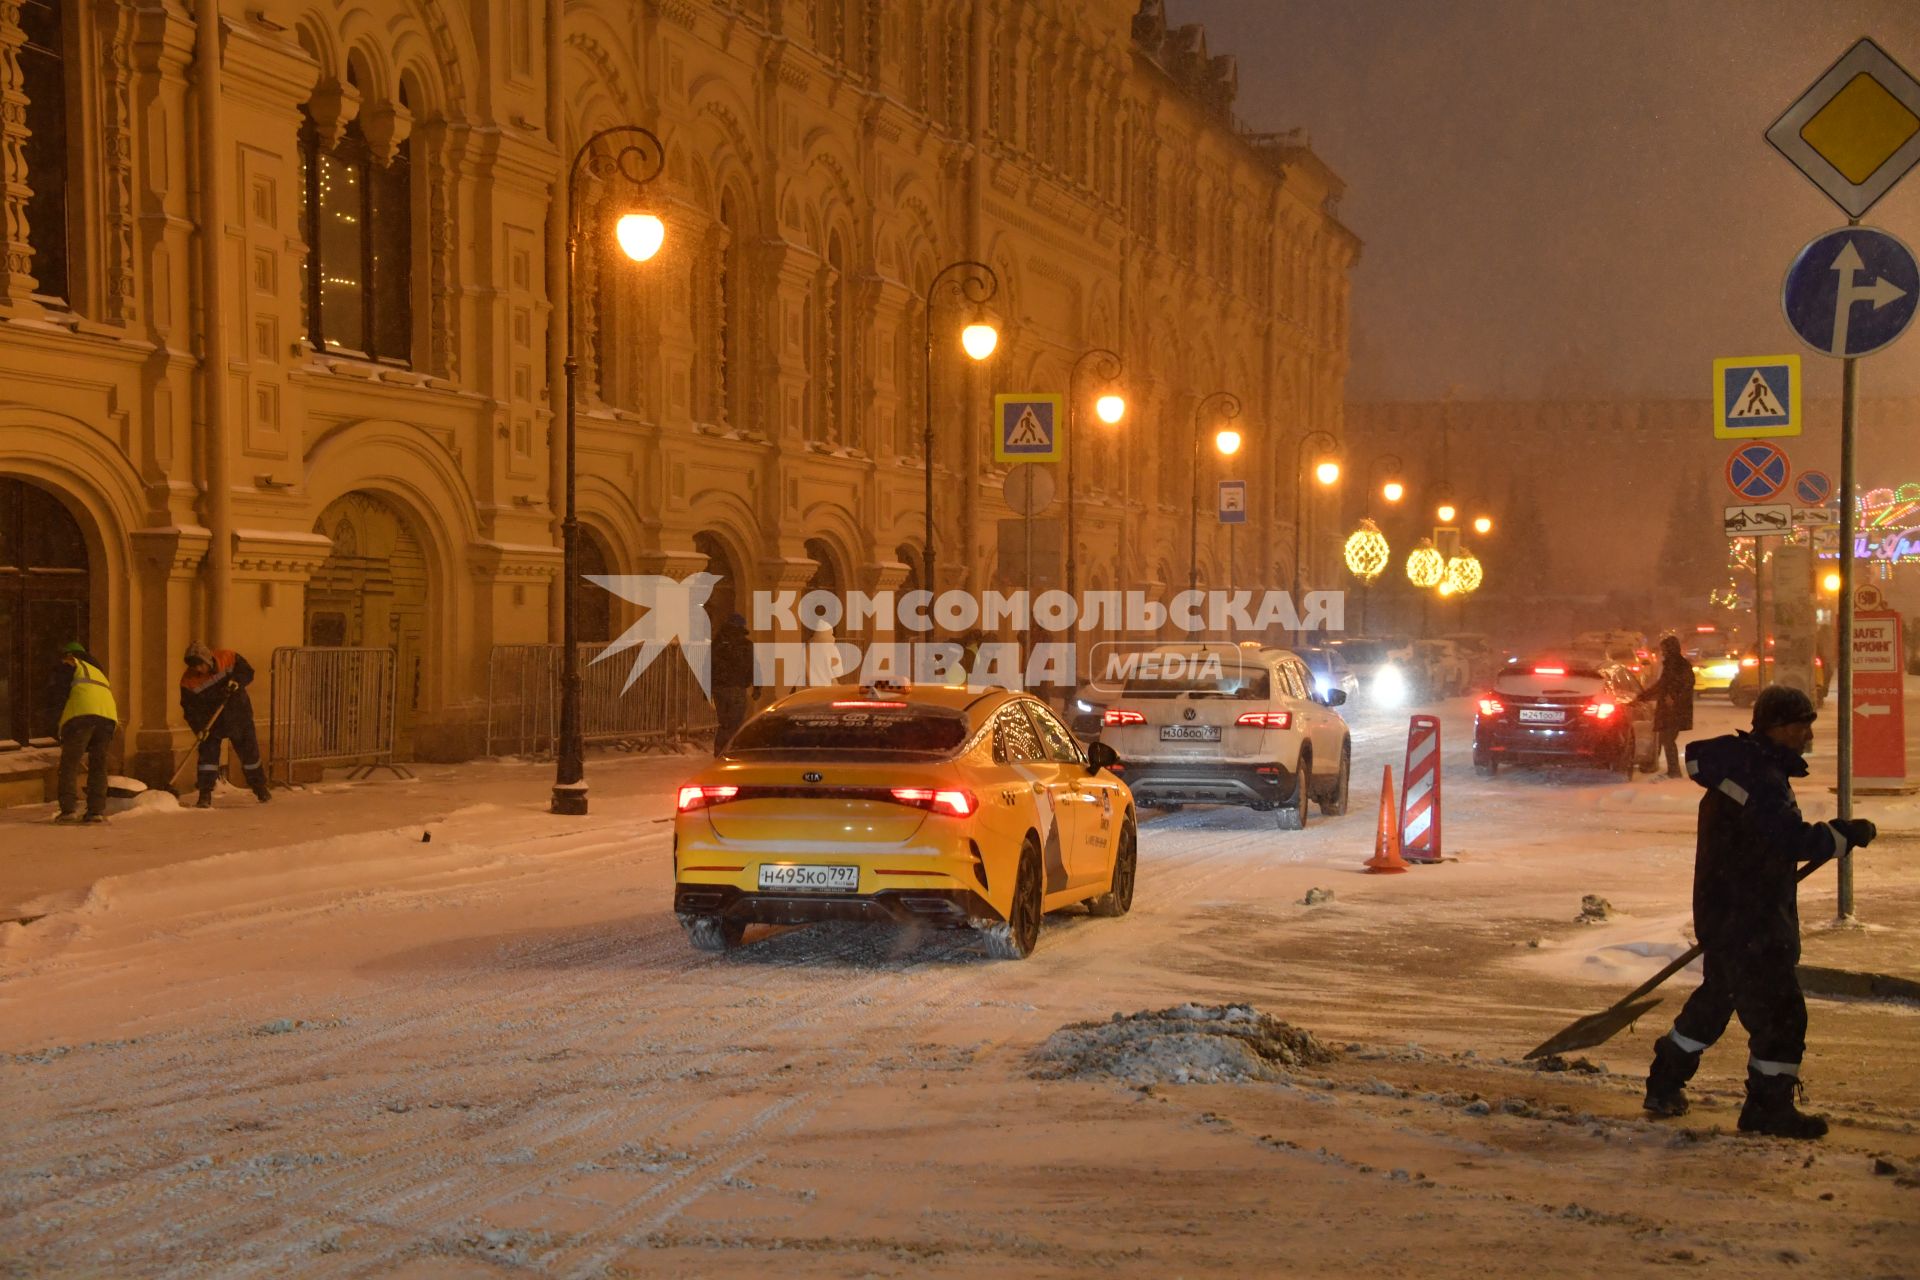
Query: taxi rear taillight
[1266, 719]
[955, 804]
[698, 797]
[1121, 715]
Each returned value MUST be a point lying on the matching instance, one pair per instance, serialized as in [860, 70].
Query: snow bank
[1188, 1044]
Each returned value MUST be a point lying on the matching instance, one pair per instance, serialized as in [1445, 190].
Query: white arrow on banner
[1868, 710]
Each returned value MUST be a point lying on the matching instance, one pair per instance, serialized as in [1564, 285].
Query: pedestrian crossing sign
[1756, 396]
[1028, 427]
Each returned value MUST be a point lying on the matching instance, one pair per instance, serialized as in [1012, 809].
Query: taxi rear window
[868, 728]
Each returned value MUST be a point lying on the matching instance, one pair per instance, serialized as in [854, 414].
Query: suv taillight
[692, 797]
[1120, 715]
[1601, 709]
[1491, 706]
[956, 804]
[1266, 719]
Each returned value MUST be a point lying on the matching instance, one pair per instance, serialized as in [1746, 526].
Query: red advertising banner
[1879, 707]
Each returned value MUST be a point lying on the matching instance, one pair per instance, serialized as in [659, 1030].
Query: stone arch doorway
[371, 592]
[593, 603]
[46, 581]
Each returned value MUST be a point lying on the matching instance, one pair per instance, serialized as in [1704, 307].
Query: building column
[167, 566]
[17, 284]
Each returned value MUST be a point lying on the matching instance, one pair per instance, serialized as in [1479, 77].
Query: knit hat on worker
[1779, 705]
[73, 646]
[197, 652]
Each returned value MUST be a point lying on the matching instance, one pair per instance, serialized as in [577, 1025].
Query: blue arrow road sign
[1812, 488]
[1757, 471]
[1852, 291]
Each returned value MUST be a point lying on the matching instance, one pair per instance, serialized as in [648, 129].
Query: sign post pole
[1843, 655]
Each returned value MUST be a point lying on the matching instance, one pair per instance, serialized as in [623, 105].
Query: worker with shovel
[213, 696]
[1751, 838]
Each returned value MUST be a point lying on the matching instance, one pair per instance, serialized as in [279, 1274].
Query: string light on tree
[1367, 552]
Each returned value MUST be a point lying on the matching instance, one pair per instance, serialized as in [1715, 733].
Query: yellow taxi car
[933, 806]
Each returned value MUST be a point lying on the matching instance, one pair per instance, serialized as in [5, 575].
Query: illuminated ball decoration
[1464, 573]
[1426, 567]
[1367, 551]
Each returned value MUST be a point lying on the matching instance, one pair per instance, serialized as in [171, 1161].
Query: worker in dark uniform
[88, 717]
[733, 682]
[213, 691]
[1671, 695]
[1751, 841]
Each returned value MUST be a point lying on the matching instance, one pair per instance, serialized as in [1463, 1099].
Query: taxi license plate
[1189, 733]
[788, 877]
[1532, 715]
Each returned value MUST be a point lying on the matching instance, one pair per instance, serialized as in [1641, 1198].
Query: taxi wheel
[711, 933]
[1292, 813]
[1014, 937]
[1334, 803]
[1118, 899]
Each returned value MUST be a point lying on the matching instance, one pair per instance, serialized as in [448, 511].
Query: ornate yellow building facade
[280, 354]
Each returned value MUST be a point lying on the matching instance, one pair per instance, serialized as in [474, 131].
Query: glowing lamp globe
[1110, 408]
[1482, 524]
[1830, 584]
[1464, 574]
[1393, 491]
[1327, 472]
[979, 339]
[1426, 566]
[1446, 513]
[640, 235]
[1227, 441]
[1366, 551]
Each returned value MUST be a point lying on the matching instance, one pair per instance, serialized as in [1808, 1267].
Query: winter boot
[1667, 1078]
[206, 799]
[1770, 1109]
[257, 779]
[95, 819]
[67, 817]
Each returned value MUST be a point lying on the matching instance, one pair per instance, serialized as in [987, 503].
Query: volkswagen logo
[1188, 713]
[810, 777]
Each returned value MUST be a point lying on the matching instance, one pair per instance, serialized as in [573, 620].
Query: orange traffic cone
[1386, 841]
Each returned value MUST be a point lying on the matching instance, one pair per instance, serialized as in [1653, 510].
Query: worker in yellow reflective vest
[88, 717]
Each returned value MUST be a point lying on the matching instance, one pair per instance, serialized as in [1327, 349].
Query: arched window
[357, 215]
[44, 60]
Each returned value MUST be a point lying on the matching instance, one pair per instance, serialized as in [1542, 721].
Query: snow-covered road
[355, 1053]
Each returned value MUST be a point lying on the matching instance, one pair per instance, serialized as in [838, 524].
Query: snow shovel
[193, 752]
[1598, 1028]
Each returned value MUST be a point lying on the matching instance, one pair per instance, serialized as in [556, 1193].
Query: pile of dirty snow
[1188, 1044]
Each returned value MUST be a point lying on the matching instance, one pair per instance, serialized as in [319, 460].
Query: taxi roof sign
[1856, 132]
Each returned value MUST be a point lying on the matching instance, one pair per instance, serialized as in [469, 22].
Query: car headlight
[1724, 670]
[1390, 687]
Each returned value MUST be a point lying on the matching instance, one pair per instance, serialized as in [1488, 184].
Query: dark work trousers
[1761, 986]
[1670, 743]
[235, 725]
[729, 711]
[88, 736]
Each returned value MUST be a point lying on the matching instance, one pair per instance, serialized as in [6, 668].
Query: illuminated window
[358, 219]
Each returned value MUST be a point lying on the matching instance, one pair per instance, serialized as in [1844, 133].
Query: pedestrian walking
[213, 697]
[1671, 694]
[1745, 914]
[733, 683]
[88, 717]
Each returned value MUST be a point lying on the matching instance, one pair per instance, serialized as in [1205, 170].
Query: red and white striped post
[1420, 792]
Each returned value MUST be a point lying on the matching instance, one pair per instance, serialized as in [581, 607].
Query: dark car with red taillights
[1571, 711]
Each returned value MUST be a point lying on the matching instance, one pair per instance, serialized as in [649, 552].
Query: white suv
[1216, 724]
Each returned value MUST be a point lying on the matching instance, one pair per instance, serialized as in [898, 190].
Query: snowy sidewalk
[45, 862]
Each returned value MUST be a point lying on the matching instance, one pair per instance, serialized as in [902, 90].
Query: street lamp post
[1107, 363]
[978, 284]
[1299, 467]
[637, 156]
[1229, 410]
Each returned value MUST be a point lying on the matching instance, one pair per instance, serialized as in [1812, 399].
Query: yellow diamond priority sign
[1856, 132]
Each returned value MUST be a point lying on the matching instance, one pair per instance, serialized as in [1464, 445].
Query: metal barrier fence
[333, 707]
[664, 708]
